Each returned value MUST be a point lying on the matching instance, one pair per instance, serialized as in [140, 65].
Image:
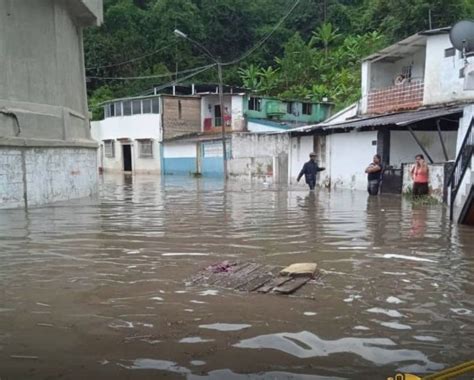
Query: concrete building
[132, 131]
[46, 152]
[414, 100]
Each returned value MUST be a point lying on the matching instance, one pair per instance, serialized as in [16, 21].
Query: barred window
[307, 108]
[109, 148]
[145, 148]
[255, 104]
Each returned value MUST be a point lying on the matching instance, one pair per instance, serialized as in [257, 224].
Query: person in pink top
[420, 176]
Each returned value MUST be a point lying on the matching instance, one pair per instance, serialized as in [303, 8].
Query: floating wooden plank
[276, 282]
[292, 285]
[251, 277]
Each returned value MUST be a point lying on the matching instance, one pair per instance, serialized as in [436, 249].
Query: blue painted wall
[212, 167]
[179, 166]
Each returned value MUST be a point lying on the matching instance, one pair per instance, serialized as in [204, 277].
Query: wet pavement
[95, 289]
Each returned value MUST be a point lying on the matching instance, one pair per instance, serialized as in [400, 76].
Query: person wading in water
[420, 176]
[374, 175]
[310, 169]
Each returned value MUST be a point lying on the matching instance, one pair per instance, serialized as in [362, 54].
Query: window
[107, 110]
[127, 108]
[146, 105]
[145, 148]
[136, 107]
[255, 104]
[449, 52]
[112, 109]
[461, 73]
[109, 148]
[155, 105]
[118, 109]
[180, 110]
[406, 72]
[289, 107]
[307, 108]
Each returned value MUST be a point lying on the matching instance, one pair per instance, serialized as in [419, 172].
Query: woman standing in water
[420, 176]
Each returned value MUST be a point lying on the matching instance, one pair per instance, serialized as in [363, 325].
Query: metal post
[442, 141]
[221, 102]
[420, 144]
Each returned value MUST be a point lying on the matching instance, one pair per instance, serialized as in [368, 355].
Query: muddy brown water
[95, 289]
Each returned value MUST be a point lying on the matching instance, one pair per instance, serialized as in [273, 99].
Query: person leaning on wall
[420, 176]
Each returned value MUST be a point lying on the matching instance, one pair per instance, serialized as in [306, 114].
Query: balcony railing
[400, 97]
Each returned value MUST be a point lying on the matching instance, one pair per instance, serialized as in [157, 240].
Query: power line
[154, 76]
[130, 60]
[264, 39]
[174, 82]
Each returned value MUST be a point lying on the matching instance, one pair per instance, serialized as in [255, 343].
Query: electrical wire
[174, 82]
[130, 60]
[153, 76]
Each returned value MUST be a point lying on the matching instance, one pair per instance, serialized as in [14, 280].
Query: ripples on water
[96, 288]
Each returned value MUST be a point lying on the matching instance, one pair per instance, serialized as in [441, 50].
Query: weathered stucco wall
[350, 153]
[32, 177]
[443, 83]
[262, 156]
[43, 99]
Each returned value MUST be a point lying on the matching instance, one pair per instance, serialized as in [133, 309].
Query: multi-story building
[415, 100]
[46, 151]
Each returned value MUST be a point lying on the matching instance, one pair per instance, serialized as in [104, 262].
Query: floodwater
[96, 289]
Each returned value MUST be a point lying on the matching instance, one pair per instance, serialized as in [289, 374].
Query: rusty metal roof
[399, 119]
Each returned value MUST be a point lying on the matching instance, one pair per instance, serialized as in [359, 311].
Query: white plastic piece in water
[406, 257]
[395, 300]
[225, 326]
[309, 313]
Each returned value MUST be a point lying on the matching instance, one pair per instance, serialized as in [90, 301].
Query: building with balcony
[415, 100]
[46, 151]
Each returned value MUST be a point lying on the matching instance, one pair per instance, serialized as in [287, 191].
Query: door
[127, 157]
[217, 116]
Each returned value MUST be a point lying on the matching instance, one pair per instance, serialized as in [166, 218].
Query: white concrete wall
[300, 148]
[403, 147]
[259, 155]
[144, 126]
[179, 150]
[36, 176]
[256, 127]
[238, 120]
[212, 101]
[349, 154]
[442, 82]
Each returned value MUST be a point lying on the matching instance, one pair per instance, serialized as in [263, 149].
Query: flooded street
[96, 289]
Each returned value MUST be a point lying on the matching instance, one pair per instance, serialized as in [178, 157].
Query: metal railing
[462, 163]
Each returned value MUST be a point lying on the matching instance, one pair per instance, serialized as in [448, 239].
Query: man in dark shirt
[310, 169]
[374, 175]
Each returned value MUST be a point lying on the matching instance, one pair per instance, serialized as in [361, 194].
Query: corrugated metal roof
[400, 119]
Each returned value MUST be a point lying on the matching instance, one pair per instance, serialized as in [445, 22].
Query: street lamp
[180, 34]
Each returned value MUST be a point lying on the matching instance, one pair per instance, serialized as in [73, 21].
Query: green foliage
[315, 53]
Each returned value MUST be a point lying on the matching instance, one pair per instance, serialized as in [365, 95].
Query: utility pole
[221, 102]
[218, 62]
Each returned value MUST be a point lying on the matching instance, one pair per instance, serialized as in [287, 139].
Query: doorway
[127, 157]
[217, 116]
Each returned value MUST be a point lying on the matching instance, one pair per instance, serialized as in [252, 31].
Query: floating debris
[25, 357]
[254, 277]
